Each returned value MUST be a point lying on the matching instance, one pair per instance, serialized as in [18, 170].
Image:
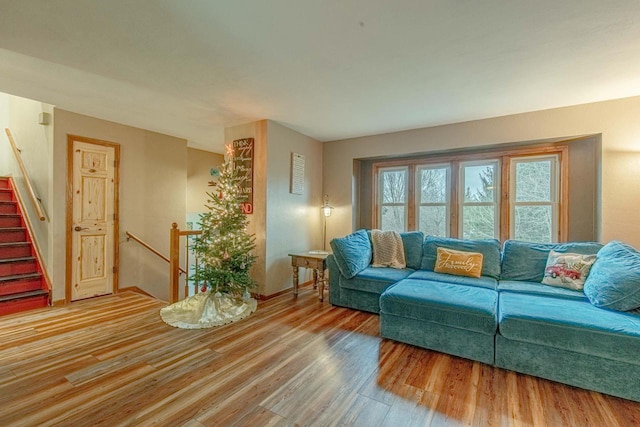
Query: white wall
[153, 183]
[35, 141]
[617, 121]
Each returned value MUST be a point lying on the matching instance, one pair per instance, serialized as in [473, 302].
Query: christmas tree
[224, 249]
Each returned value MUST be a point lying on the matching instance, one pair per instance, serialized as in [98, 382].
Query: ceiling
[329, 69]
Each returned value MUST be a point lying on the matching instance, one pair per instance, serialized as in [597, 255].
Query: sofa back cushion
[527, 261]
[352, 253]
[412, 241]
[614, 280]
[489, 248]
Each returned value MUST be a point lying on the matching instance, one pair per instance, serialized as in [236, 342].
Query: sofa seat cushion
[464, 307]
[534, 288]
[481, 282]
[570, 325]
[375, 279]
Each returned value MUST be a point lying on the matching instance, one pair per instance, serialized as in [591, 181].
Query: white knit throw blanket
[388, 250]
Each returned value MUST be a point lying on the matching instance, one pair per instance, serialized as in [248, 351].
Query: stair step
[8, 207]
[15, 249]
[22, 265]
[19, 283]
[22, 301]
[12, 234]
[4, 182]
[10, 220]
[6, 194]
[21, 295]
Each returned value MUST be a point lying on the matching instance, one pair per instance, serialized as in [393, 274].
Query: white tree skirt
[207, 310]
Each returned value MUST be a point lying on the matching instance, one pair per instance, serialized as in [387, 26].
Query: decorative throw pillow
[567, 270]
[352, 253]
[614, 281]
[489, 248]
[459, 263]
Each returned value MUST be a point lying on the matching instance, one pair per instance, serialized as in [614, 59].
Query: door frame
[69, 208]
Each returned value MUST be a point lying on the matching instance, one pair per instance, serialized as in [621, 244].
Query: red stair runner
[22, 286]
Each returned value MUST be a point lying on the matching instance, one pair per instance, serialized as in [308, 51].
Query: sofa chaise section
[451, 318]
[570, 341]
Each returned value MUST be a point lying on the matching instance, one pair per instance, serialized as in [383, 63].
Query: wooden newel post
[174, 262]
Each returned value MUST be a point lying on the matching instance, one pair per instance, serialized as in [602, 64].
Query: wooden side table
[315, 261]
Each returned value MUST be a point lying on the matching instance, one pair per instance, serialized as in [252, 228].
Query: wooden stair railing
[35, 199]
[174, 262]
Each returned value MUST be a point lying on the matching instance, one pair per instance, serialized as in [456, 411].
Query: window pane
[533, 181]
[394, 186]
[433, 220]
[479, 183]
[392, 218]
[433, 183]
[534, 224]
[478, 222]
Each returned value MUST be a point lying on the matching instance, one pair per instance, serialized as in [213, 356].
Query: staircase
[22, 285]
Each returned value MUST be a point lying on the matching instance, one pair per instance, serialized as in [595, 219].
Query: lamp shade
[326, 208]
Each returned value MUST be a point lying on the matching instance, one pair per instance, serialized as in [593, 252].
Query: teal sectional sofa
[506, 317]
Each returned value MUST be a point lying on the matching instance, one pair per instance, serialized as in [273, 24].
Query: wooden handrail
[137, 239]
[174, 254]
[32, 193]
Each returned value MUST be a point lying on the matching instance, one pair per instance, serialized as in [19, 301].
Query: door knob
[78, 228]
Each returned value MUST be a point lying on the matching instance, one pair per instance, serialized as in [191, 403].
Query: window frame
[380, 190]
[496, 194]
[504, 182]
[554, 192]
[418, 193]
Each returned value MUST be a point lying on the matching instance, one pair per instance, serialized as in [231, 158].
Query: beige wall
[257, 220]
[617, 122]
[282, 222]
[199, 164]
[293, 220]
[36, 144]
[5, 151]
[153, 183]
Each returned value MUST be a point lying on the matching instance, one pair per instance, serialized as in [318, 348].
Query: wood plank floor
[112, 361]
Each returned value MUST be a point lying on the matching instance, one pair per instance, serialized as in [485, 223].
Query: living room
[346, 85]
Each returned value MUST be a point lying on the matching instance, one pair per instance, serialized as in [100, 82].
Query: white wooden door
[92, 220]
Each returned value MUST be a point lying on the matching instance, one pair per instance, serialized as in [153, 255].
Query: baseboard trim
[261, 297]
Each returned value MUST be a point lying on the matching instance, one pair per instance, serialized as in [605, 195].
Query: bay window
[513, 194]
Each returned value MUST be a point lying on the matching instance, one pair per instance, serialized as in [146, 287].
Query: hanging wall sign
[297, 173]
[243, 164]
